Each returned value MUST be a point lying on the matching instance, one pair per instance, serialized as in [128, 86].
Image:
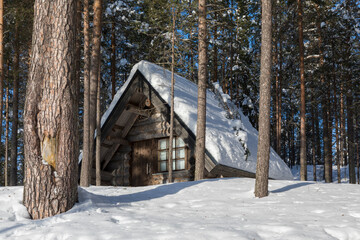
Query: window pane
[180, 164]
[163, 166]
[163, 155]
[174, 154]
[181, 153]
[174, 165]
[179, 142]
[162, 144]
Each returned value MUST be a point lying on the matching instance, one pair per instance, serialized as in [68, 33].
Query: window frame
[167, 154]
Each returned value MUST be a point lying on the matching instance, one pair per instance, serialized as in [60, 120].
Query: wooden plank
[119, 140]
[106, 145]
[105, 176]
[146, 136]
[113, 150]
[161, 127]
[137, 110]
[117, 127]
[226, 171]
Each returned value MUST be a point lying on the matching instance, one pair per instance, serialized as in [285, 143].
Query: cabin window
[178, 157]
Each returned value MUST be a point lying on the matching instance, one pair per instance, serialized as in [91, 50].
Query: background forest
[141, 30]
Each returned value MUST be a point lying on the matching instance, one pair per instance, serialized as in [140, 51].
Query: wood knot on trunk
[48, 151]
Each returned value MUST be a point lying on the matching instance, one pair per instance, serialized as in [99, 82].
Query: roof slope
[222, 141]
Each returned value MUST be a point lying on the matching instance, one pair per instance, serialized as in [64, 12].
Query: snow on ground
[221, 139]
[209, 209]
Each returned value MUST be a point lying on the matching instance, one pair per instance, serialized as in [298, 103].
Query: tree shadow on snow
[290, 187]
[158, 191]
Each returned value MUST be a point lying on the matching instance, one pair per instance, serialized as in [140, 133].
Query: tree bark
[2, 75]
[98, 134]
[303, 163]
[202, 79]
[7, 177]
[14, 126]
[170, 163]
[113, 59]
[313, 141]
[85, 164]
[342, 125]
[94, 69]
[351, 140]
[325, 109]
[50, 114]
[263, 151]
[215, 54]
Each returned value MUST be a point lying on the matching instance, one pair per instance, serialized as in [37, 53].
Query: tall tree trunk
[336, 116]
[215, 54]
[85, 164]
[170, 163]
[7, 131]
[325, 109]
[201, 111]
[279, 95]
[98, 134]
[78, 52]
[317, 133]
[342, 125]
[351, 140]
[14, 127]
[94, 69]
[2, 75]
[50, 120]
[313, 141]
[113, 59]
[292, 141]
[263, 148]
[303, 163]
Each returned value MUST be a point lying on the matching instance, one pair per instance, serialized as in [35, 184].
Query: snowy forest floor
[209, 209]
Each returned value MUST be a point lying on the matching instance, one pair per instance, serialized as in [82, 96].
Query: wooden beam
[115, 139]
[106, 145]
[135, 109]
[114, 148]
[117, 127]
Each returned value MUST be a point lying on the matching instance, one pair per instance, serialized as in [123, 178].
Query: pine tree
[263, 153]
[50, 122]
[202, 80]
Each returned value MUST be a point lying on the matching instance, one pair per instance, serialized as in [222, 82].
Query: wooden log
[115, 147]
[162, 127]
[106, 176]
[135, 109]
[117, 127]
[119, 140]
[106, 145]
[146, 136]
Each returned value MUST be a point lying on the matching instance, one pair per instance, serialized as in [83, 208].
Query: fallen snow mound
[226, 139]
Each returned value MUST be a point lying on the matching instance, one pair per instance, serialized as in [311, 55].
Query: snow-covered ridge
[222, 139]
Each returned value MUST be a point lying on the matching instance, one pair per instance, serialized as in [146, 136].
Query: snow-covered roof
[222, 140]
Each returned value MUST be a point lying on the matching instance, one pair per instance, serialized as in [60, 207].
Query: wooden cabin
[135, 140]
